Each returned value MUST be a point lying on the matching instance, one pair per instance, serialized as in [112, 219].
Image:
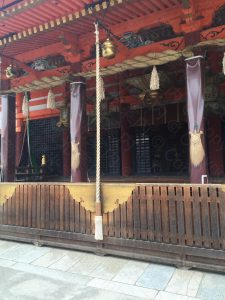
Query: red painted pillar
[215, 146]
[66, 153]
[8, 137]
[19, 128]
[126, 154]
[78, 130]
[195, 110]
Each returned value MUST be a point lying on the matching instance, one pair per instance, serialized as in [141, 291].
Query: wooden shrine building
[162, 127]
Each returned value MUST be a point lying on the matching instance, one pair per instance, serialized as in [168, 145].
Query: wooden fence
[179, 224]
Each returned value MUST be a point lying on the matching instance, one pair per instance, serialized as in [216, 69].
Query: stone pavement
[30, 272]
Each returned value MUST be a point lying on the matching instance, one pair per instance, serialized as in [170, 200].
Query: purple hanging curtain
[194, 93]
[77, 132]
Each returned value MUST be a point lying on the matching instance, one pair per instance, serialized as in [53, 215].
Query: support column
[215, 146]
[8, 137]
[19, 128]
[195, 108]
[66, 153]
[78, 131]
[126, 153]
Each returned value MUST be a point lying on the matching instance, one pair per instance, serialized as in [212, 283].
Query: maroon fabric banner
[8, 137]
[195, 109]
[78, 132]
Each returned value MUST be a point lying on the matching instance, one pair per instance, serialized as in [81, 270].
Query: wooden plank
[150, 214]
[188, 215]
[77, 216]
[124, 220]
[205, 217]
[38, 206]
[197, 216]
[67, 209]
[47, 206]
[52, 207]
[61, 208]
[172, 214]
[25, 205]
[117, 213]
[222, 215]
[214, 221]
[111, 223]
[136, 213]
[57, 207]
[92, 223]
[17, 206]
[43, 205]
[21, 205]
[130, 219]
[180, 215]
[13, 213]
[143, 214]
[88, 222]
[105, 224]
[82, 219]
[165, 214]
[34, 205]
[72, 214]
[29, 204]
[157, 213]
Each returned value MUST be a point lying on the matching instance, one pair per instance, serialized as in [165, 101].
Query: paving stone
[87, 264]
[185, 282]
[212, 287]
[131, 272]
[6, 263]
[170, 296]
[123, 288]
[67, 261]
[108, 268]
[52, 256]
[156, 277]
[6, 245]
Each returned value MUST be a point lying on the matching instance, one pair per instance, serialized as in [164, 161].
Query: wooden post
[78, 131]
[195, 108]
[126, 154]
[19, 128]
[215, 146]
[8, 137]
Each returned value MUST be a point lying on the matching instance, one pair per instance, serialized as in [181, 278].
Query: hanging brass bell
[108, 49]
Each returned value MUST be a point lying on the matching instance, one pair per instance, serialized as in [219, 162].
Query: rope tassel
[51, 100]
[154, 81]
[25, 107]
[197, 152]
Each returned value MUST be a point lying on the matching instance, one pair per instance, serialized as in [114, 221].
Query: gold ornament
[108, 49]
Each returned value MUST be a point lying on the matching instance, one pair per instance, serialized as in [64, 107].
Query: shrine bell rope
[98, 217]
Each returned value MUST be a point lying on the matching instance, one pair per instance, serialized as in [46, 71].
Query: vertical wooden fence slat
[17, 205]
[38, 206]
[77, 216]
[29, 205]
[188, 216]
[47, 207]
[88, 222]
[136, 212]
[67, 209]
[61, 208]
[172, 215]
[130, 218]
[33, 192]
[43, 206]
[157, 214]
[82, 219]
[205, 217]
[93, 223]
[21, 205]
[117, 222]
[25, 206]
[52, 207]
[197, 216]
[214, 217]
[111, 224]
[150, 214]
[222, 216]
[57, 207]
[105, 224]
[124, 220]
[165, 213]
[180, 215]
[9, 206]
[1, 214]
[72, 212]
[143, 214]
[14, 208]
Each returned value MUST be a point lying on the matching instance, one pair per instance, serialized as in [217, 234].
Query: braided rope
[98, 101]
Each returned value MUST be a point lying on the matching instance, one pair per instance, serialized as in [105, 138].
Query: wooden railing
[172, 223]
